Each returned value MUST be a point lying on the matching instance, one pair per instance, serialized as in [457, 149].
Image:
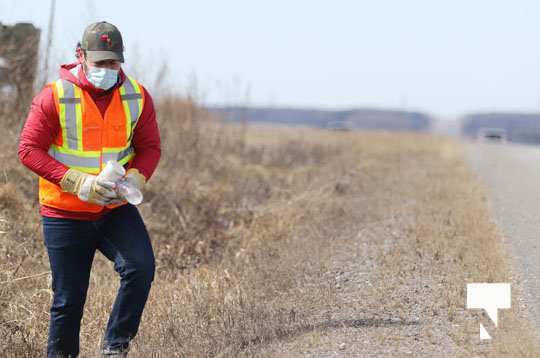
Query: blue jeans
[71, 244]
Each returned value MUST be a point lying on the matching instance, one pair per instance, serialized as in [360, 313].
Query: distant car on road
[497, 135]
[338, 126]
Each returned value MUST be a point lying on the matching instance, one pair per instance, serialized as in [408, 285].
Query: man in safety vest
[93, 113]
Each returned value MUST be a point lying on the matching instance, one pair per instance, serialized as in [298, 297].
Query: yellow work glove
[135, 178]
[89, 188]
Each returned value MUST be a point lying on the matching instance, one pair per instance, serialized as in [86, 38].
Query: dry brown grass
[218, 233]
[251, 226]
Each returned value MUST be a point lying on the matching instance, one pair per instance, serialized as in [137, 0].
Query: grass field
[252, 226]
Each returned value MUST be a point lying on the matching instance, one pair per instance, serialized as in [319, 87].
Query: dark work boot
[114, 352]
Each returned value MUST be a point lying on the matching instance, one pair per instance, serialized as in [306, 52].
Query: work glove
[89, 188]
[135, 178]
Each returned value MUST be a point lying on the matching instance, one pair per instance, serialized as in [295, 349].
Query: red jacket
[42, 126]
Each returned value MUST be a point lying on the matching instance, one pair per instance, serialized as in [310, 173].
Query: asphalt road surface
[510, 176]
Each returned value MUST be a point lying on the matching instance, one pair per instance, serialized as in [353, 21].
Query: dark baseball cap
[102, 41]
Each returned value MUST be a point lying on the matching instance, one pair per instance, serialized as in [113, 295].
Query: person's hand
[135, 178]
[89, 188]
[97, 191]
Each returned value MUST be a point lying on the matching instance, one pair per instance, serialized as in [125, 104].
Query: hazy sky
[444, 57]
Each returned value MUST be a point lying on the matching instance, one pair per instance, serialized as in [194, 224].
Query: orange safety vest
[87, 140]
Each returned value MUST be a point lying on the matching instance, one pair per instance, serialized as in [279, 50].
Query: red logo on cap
[106, 39]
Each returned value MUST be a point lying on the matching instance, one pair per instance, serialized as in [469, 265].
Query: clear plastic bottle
[129, 192]
[114, 172]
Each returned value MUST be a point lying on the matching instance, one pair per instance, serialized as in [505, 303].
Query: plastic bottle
[114, 172]
[129, 192]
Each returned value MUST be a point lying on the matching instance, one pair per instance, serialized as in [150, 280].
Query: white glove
[89, 188]
[98, 191]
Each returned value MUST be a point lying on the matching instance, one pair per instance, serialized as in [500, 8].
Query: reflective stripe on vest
[130, 93]
[90, 162]
[70, 114]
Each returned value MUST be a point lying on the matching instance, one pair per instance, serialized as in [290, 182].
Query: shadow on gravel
[330, 324]
[362, 322]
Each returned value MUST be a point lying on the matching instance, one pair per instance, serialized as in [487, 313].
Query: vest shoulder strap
[67, 91]
[131, 93]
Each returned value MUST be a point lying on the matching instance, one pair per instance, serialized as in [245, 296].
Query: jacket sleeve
[38, 133]
[146, 139]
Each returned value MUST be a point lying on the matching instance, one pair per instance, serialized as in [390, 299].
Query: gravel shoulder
[510, 175]
[373, 314]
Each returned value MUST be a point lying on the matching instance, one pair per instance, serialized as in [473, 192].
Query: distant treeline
[354, 119]
[519, 127]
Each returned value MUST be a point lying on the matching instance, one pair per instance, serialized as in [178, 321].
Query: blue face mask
[102, 77]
